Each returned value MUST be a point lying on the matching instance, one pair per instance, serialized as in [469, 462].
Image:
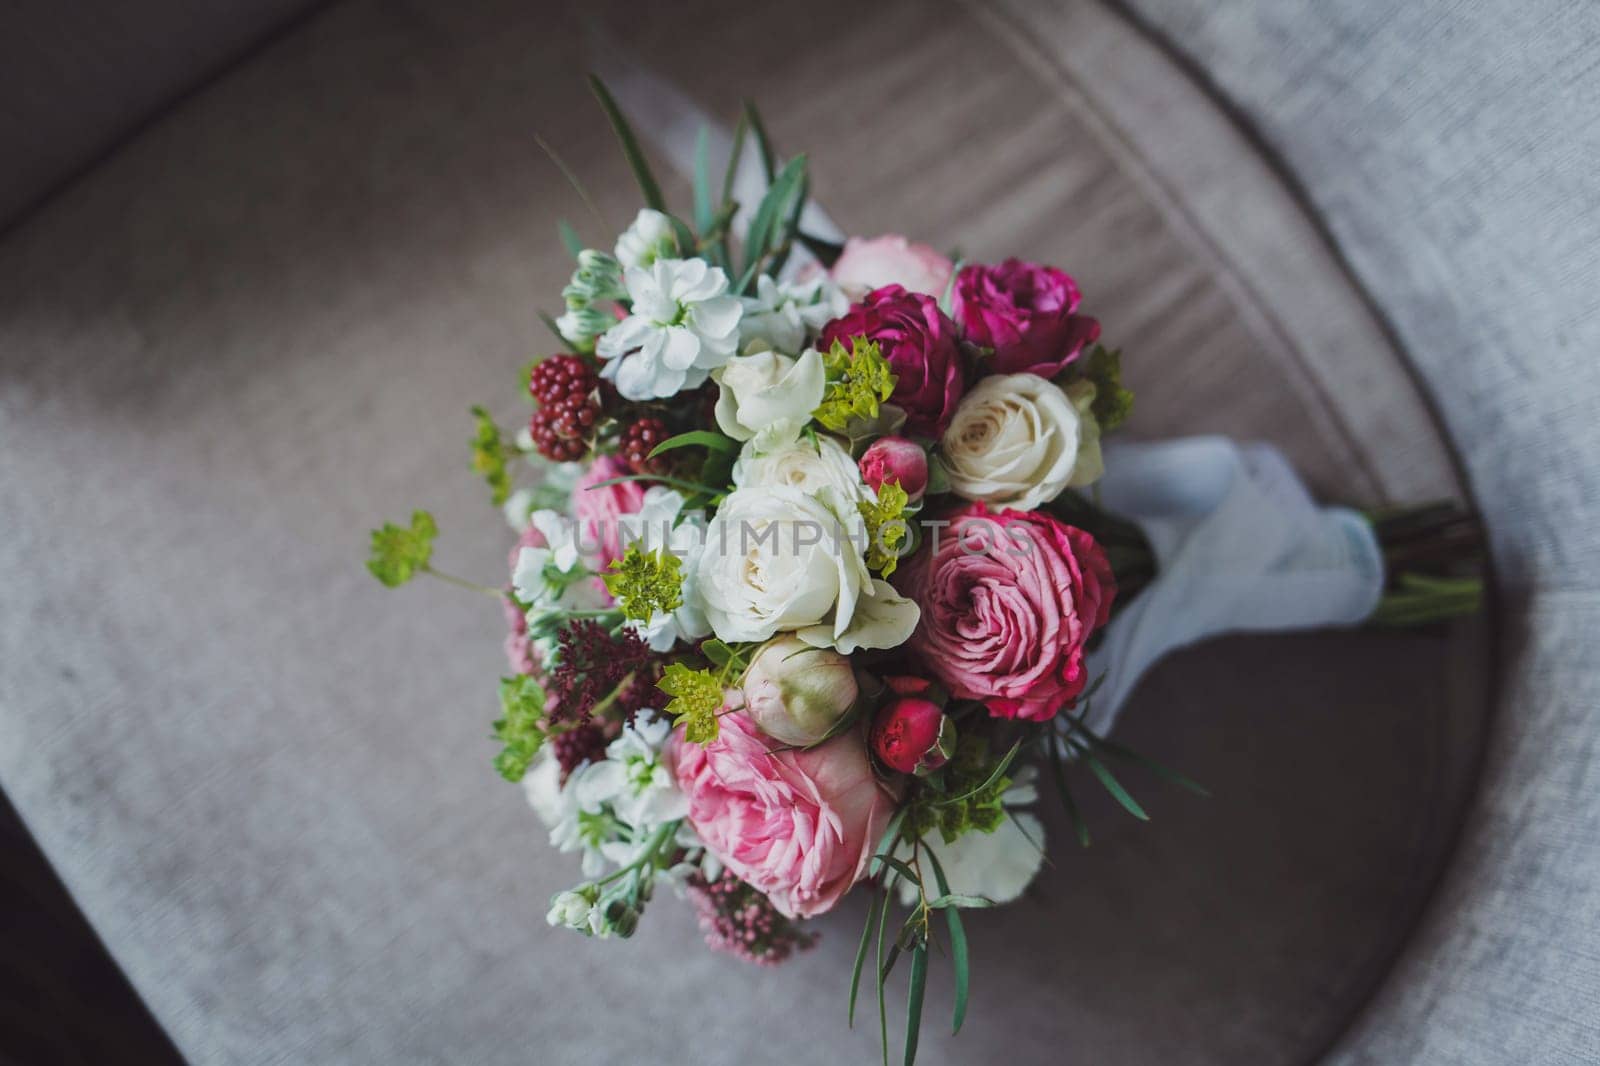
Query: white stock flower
[768, 391]
[649, 238]
[817, 466]
[656, 526]
[998, 866]
[1013, 442]
[777, 559]
[784, 313]
[683, 325]
[633, 780]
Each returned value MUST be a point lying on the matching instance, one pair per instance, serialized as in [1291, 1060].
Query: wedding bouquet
[813, 574]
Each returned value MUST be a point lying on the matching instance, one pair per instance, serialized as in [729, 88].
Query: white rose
[818, 466]
[768, 390]
[777, 559]
[1013, 442]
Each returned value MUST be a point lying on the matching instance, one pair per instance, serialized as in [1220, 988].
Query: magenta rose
[919, 341]
[597, 509]
[799, 825]
[912, 735]
[870, 264]
[899, 460]
[1026, 312]
[1008, 601]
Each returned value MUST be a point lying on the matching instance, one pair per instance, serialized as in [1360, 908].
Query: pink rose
[799, 825]
[896, 459]
[865, 265]
[919, 341]
[597, 509]
[1026, 313]
[1008, 601]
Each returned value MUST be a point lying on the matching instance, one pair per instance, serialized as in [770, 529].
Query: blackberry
[637, 442]
[561, 377]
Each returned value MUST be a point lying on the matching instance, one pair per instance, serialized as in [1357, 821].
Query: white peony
[766, 391]
[683, 325]
[1014, 442]
[883, 619]
[817, 466]
[649, 238]
[784, 313]
[657, 525]
[777, 559]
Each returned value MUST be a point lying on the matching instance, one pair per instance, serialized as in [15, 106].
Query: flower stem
[461, 582]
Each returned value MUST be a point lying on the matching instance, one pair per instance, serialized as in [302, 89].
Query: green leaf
[555, 331]
[1112, 785]
[399, 552]
[702, 438]
[518, 728]
[717, 652]
[919, 983]
[883, 1007]
[994, 776]
[675, 482]
[570, 238]
[739, 132]
[1117, 751]
[861, 953]
[1059, 772]
[958, 947]
[489, 456]
[752, 118]
[766, 233]
[702, 180]
[947, 298]
[899, 867]
[630, 146]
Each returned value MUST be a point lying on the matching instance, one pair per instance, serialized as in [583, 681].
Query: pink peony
[1026, 313]
[799, 825]
[597, 509]
[912, 735]
[1008, 601]
[865, 265]
[899, 460]
[919, 341]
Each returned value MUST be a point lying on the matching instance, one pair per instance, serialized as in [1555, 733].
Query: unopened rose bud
[896, 459]
[796, 693]
[913, 736]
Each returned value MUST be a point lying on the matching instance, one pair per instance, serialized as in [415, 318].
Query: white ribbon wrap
[1240, 547]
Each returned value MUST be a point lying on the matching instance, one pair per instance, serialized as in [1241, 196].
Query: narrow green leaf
[999, 770]
[1113, 786]
[919, 983]
[775, 206]
[861, 954]
[953, 900]
[572, 180]
[675, 482]
[697, 437]
[782, 240]
[753, 119]
[883, 1007]
[1060, 774]
[555, 331]
[702, 180]
[894, 956]
[947, 298]
[732, 170]
[718, 652]
[1118, 751]
[630, 146]
[901, 868]
[570, 238]
[958, 947]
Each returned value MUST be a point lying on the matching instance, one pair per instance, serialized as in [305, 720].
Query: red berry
[639, 440]
[560, 377]
[551, 441]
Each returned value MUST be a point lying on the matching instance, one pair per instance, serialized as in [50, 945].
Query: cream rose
[777, 559]
[766, 391]
[1014, 442]
[819, 466]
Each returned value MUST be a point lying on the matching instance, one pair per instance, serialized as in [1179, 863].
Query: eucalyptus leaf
[861, 953]
[919, 984]
[1113, 786]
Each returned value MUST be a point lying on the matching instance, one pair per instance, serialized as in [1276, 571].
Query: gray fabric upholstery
[241, 342]
[1454, 154]
[78, 77]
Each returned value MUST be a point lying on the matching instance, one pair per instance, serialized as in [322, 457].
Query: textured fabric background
[1454, 152]
[255, 332]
